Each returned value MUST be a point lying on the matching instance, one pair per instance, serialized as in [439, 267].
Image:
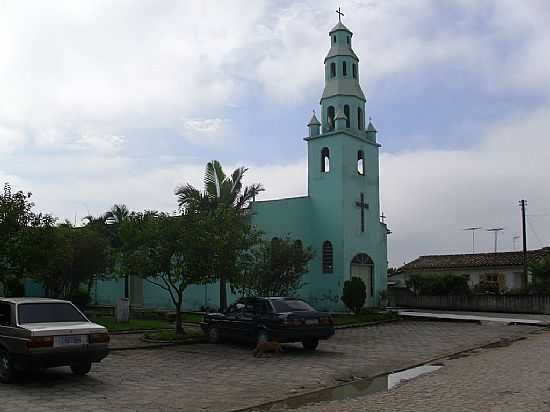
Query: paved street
[511, 378]
[227, 377]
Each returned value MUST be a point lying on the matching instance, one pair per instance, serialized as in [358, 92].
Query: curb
[365, 324]
[137, 331]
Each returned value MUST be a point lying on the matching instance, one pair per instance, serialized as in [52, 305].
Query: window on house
[346, 113]
[327, 257]
[359, 118]
[330, 118]
[333, 70]
[360, 162]
[344, 69]
[325, 160]
[354, 70]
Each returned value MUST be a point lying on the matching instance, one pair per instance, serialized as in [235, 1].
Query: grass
[363, 317]
[191, 336]
[141, 324]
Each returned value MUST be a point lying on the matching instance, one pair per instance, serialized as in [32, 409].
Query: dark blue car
[257, 319]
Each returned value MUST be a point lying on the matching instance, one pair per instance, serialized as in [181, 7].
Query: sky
[119, 102]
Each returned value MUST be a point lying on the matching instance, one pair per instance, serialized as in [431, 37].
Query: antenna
[495, 230]
[514, 238]
[473, 230]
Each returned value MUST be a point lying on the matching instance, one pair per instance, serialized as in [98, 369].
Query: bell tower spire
[342, 91]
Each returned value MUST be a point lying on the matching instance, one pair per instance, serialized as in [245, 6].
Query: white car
[42, 333]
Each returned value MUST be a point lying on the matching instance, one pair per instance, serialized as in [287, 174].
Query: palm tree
[219, 190]
[118, 213]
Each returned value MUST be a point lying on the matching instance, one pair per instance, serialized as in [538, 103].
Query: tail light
[40, 342]
[99, 338]
[325, 321]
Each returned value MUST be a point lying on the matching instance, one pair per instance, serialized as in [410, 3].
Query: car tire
[214, 335]
[81, 369]
[7, 371]
[262, 337]
[310, 344]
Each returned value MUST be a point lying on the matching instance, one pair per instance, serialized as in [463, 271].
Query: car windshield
[288, 305]
[48, 312]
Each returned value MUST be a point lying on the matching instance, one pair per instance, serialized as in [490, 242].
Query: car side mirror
[239, 306]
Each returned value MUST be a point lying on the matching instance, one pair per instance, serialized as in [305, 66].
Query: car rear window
[288, 305]
[48, 312]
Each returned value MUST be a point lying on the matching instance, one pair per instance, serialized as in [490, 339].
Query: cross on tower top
[340, 14]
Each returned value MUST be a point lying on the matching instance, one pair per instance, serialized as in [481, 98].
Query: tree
[16, 219]
[219, 191]
[63, 258]
[273, 268]
[540, 271]
[354, 294]
[169, 252]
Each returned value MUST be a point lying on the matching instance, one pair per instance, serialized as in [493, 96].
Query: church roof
[314, 121]
[346, 87]
[339, 26]
[341, 50]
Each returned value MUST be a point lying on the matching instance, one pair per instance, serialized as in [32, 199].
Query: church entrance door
[362, 267]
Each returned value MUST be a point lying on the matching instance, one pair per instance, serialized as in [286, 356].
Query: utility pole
[495, 230]
[522, 204]
[473, 230]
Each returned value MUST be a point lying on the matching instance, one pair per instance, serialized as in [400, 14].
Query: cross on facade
[362, 205]
[383, 217]
[340, 14]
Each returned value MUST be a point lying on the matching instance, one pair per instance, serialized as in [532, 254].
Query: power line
[535, 233]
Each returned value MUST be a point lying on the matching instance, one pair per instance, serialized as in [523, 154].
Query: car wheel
[81, 368]
[263, 337]
[214, 335]
[310, 344]
[7, 371]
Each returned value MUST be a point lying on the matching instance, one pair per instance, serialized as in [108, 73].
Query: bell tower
[343, 174]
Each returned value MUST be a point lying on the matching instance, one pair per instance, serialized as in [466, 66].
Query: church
[340, 215]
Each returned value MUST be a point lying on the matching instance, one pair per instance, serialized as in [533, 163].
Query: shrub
[81, 298]
[354, 294]
[439, 284]
[14, 288]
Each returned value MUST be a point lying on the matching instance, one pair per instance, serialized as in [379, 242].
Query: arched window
[346, 113]
[354, 70]
[334, 39]
[359, 118]
[360, 162]
[330, 117]
[348, 40]
[344, 69]
[327, 257]
[333, 70]
[325, 160]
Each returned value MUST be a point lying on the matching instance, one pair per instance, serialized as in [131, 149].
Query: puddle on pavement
[350, 390]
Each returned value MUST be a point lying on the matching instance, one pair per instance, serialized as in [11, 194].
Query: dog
[266, 348]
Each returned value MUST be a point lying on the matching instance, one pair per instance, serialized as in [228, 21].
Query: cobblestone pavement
[512, 378]
[227, 377]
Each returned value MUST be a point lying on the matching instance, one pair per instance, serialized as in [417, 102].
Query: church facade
[340, 216]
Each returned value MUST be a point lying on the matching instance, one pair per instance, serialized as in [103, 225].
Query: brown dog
[265, 348]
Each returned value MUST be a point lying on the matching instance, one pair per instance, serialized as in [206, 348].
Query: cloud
[10, 139]
[432, 195]
[204, 131]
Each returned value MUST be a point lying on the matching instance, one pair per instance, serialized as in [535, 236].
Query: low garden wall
[402, 297]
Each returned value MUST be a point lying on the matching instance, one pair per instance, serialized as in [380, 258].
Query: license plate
[70, 340]
[312, 321]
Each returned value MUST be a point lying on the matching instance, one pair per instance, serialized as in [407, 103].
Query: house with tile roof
[502, 269]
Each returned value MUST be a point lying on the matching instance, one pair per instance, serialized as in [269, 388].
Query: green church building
[339, 217]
